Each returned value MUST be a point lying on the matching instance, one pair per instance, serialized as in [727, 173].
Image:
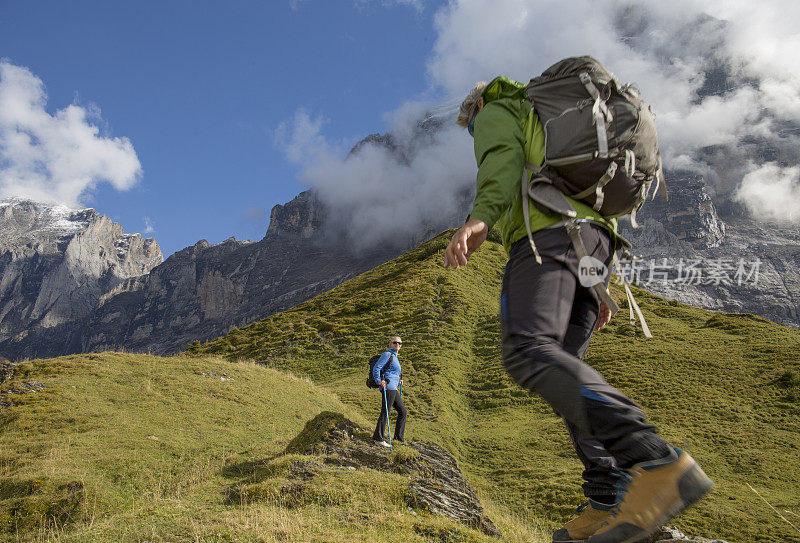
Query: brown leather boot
[658, 491]
[578, 530]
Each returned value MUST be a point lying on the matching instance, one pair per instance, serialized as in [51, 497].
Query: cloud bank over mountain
[55, 158]
[383, 193]
[723, 79]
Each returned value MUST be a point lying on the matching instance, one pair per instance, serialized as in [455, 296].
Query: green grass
[123, 447]
[724, 387]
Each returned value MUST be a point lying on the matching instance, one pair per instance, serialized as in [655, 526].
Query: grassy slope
[122, 447]
[724, 387]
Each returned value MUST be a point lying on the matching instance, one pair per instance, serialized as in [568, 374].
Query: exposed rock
[15, 388]
[55, 264]
[669, 535]
[740, 265]
[197, 294]
[72, 281]
[436, 483]
[301, 217]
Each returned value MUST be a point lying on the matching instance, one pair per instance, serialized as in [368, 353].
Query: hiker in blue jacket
[386, 373]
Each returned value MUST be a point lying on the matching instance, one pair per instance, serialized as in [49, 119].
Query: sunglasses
[397, 342]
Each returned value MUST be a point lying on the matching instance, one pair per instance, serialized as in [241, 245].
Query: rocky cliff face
[72, 281]
[204, 291]
[56, 263]
[722, 260]
[199, 293]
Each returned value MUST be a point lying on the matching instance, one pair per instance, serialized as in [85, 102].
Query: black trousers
[393, 399]
[547, 320]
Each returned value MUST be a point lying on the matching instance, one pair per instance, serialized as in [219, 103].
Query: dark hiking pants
[547, 320]
[393, 399]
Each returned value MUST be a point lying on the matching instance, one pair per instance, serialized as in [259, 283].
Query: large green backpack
[601, 145]
[601, 148]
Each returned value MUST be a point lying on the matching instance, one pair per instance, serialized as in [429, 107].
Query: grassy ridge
[724, 387]
[134, 448]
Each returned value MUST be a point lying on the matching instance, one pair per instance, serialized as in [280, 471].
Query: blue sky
[191, 95]
[199, 90]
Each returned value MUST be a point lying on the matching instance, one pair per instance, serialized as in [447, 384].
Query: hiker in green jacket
[634, 479]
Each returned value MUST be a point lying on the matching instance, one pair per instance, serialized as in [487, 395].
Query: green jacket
[501, 131]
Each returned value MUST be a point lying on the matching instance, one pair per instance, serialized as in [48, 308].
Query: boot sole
[567, 540]
[692, 486]
[570, 541]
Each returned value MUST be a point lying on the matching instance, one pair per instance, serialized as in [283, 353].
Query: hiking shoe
[381, 443]
[578, 530]
[658, 491]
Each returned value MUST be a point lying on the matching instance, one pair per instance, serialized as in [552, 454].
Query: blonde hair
[470, 103]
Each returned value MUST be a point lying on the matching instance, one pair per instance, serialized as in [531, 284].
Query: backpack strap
[601, 114]
[526, 214]
[598, 187]
[387, 362]
[574, 231]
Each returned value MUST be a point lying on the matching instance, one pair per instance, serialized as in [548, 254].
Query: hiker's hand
[383, 384]
[464, 242]
[603, 316]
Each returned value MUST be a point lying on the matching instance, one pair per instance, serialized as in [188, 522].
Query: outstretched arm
[465, 241]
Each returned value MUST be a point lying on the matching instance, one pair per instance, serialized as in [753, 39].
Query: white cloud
[301, 138]
[384, 192]
[718, 78]
[717, 72]
[149, 228]
[772, 192]
[416, 5]
[55, 158]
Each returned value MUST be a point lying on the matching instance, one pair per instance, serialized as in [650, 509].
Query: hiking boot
[658, 491]
[381, 443]
[578, 530]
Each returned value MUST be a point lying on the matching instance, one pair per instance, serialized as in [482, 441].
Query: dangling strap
[630, 162]
[597, 188]
[601, 115]
[525, 211]
[661, 187]
[574, 231]
[632, 305]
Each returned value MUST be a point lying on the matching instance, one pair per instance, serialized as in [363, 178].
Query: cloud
[416, 5]
[148, 226]
[55, 158]
[723, 84]
[772, 192]
[722, 78]
[389, 188]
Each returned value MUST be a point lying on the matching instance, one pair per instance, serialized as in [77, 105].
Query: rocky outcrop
[671, 535]
[55, 264]
[332, 445]
[204, 291]
[301, 218]
[197, 294]
[436, 484]
[724, 261]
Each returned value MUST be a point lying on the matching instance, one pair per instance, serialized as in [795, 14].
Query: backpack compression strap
[574, 231]
[543, 192]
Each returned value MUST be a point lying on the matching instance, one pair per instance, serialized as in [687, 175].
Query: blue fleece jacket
[392, 372]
